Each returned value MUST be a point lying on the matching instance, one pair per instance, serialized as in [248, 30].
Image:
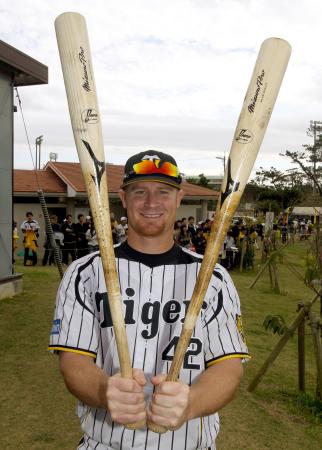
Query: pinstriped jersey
[156, 292]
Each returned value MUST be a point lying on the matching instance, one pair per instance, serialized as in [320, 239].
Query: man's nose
[152, 198]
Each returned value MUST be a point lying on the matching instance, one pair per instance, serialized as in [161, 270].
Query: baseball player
[156, 278]
[30, 230]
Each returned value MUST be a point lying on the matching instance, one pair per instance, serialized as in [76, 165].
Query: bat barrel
[252, 123]
[75, 55]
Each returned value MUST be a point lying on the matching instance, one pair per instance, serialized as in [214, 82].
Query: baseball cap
[152, 166]
[123, 218]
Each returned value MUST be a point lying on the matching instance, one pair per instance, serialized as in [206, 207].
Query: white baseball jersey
[156, 291]
[30, 226]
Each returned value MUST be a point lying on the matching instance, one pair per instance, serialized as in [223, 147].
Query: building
[16, 69]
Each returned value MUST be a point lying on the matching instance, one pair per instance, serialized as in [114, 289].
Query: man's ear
[122, 197]
[180, 197]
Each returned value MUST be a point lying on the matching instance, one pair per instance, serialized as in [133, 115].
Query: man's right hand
[125, 398]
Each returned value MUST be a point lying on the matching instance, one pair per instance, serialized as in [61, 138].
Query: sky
[171, 75]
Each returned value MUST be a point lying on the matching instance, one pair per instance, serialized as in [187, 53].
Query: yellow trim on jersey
[201, 430]
[71, 350]
[223, 358]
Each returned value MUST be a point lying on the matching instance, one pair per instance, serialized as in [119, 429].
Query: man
[59, 239]
[157, 278]
[69, 239]
[122, 229]
[192, 226]
[80, 229]
[30, 229]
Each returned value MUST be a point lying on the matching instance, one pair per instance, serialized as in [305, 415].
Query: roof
[27, 71]
[307, 210]
[56, 176]
[71, 173]
[32, 180]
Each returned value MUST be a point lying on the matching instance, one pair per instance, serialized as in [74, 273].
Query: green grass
[37, 412]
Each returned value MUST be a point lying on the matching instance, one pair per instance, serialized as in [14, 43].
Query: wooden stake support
[273, 272]
[305, 312]
[301, 351]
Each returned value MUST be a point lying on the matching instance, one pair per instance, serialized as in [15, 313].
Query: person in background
[59, 239]
[284, 234]
[176, 231]
[92, 238]
[115, 235]
[69, 239]
[192, 226]
[184, 237]
[15, 238]
[230, 248]
[274, 237]
[206, 228]
[235, 230]
[30, 229]
[80, 230]
[121, 229]
[291, 232]
[260, 231]
[253, 236]
[199, 241]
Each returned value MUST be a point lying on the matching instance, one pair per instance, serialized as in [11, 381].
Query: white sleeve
[222, 323]
[75, 325]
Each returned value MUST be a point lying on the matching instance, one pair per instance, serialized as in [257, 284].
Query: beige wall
[186, 211]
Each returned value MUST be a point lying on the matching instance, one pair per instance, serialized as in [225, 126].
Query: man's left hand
[170, 403]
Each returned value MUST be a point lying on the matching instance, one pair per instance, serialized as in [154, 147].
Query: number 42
[194, 349]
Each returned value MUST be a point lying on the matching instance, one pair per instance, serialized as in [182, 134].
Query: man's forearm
[215, 388]
[122, 397]
[84, 379]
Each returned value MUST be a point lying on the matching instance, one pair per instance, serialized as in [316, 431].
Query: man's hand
[170, 403]
[125, 398]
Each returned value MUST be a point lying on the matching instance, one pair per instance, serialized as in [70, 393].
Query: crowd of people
[242, 239]
[75, 240]
[194, 236]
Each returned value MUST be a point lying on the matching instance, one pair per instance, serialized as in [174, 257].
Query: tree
[309, 160]
[279, 180]
[275, 191]
[201, 181]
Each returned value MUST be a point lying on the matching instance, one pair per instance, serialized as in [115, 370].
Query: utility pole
[315, 131]
[38, 142]
[223, 159]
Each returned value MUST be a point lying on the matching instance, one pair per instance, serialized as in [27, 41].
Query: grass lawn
[37, 412]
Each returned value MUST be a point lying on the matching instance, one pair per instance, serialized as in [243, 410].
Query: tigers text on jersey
[156, 291]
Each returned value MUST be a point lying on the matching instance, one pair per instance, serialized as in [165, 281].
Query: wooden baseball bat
[256, 111]
[75, 56]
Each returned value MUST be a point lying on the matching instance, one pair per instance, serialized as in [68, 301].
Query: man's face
[81, 219]
[29, 217]
[151, 207]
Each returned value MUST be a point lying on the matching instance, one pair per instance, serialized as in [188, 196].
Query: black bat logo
[99, 165]
[231, 186]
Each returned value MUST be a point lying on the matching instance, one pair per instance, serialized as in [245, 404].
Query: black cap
[152, 166]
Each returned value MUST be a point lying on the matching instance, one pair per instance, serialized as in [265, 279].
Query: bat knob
[136, 425]
[156, 428]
